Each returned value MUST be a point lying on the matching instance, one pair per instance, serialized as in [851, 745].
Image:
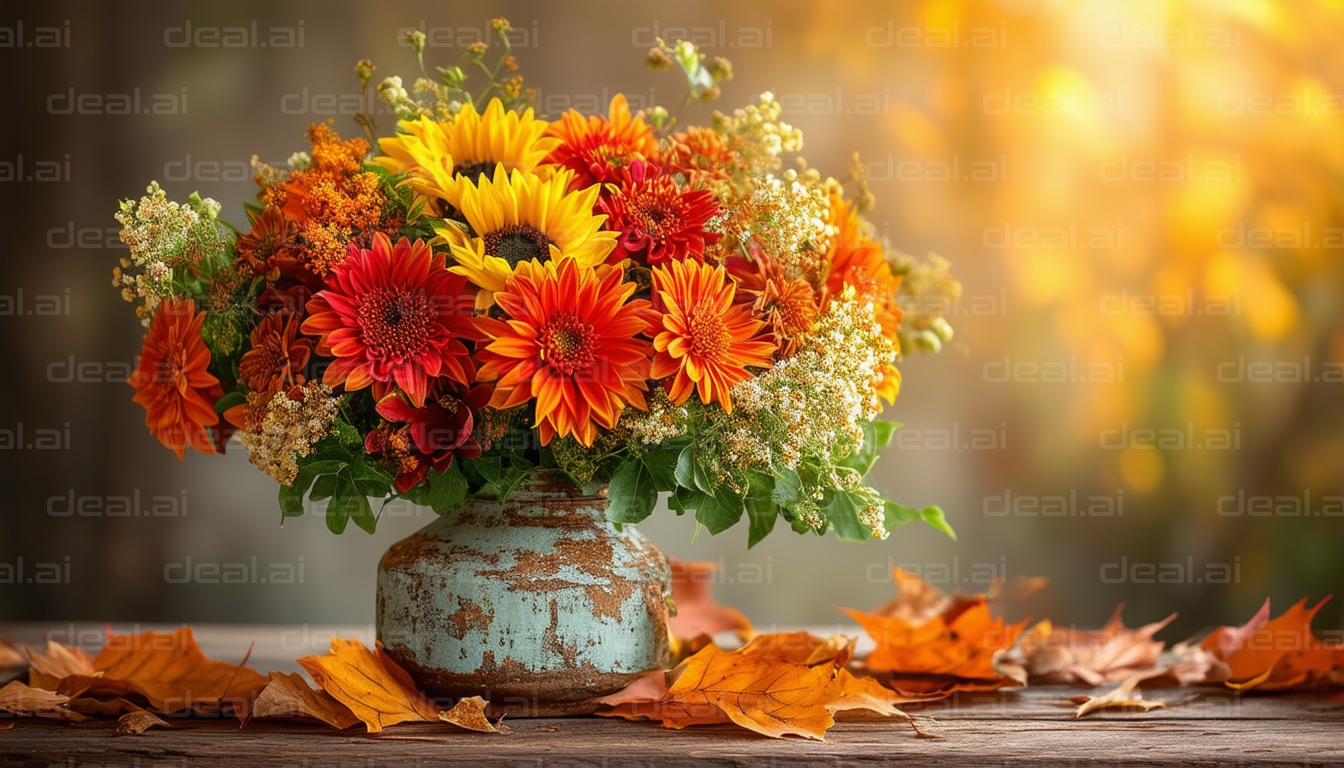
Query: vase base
[516, 692]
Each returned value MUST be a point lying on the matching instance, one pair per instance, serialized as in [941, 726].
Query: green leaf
[291, 496]
[761, 517]
[350, 503]
[934, 517]
[760, 485]
[633, 495]
[896, 515]
[883, 431]
[348, 436]
[843, 513]
[447, 490]
[786, 487]
[661, 464]
[684, 473]
[715, 513]
[678, 501]
[325, 487]
[236, 397]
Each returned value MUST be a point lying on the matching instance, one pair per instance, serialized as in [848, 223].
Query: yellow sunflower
[441, 157]
[519, 217]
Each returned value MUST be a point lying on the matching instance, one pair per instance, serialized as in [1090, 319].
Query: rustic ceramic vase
[536, 603]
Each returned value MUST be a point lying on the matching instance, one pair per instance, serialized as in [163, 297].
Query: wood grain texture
[1204, 727]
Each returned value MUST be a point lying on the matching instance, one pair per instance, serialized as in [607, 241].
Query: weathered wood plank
[1204, 727]
[607, 743]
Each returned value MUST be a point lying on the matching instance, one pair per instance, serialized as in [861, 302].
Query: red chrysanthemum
[658, 221]
[707, 341]
[570, 341]
[415, 439]
[173, 382]
[596, 148]
[393, 314]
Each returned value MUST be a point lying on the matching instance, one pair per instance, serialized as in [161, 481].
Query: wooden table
[1204, 727]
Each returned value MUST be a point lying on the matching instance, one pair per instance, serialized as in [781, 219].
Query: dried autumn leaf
[59, 662]
[764, 687]
[1274, 655]
[137, 722]
[289, 695]
[1124, 696]
[370, 684]
[169, 671]
[469, 713]
[964, 644]
[10, 656]
[1090, 657]
[18, 698]
[697, 613]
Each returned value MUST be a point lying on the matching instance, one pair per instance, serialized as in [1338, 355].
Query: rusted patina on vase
[536, 603]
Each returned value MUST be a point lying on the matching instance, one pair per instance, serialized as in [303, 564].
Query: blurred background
[1144, 401]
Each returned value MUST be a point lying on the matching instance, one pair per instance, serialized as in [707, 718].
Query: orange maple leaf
[1274, 655]
[790, 684]
[958, 649]
[167, 669]
[379, 693]
[697, 614]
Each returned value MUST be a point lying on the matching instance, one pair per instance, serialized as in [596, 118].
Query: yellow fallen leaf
[469, 713]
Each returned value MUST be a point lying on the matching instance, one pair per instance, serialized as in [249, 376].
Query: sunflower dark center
[473, 171]
[516, 243]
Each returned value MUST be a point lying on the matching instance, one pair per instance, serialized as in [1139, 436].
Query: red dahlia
[415, 439]
[393, 314]
[658, 221]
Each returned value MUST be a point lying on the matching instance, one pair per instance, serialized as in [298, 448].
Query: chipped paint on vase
[537, 603]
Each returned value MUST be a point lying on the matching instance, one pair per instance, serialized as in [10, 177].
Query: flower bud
[657, 60]
[720, 68]
[941, 327]
[415, 39]
[476, 51]
[364, 71]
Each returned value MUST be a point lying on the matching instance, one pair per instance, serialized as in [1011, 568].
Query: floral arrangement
[641, 305]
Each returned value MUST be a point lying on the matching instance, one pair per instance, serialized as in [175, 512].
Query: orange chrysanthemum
[570, 341]
[393, 314]
[596, 148]
[701, 154]
[855, 260]
[707, 341]
[173, 382]
[277, 356]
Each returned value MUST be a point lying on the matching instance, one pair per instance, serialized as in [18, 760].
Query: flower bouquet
[641, 304]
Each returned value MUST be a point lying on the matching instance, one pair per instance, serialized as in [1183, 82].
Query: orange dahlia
[707, 340]
[858, 261]
[173, 382]
[658, 221]
[789, 305]
[570, 341]
[277, 356]
[393, 314]
[700, 153]
[596, 148]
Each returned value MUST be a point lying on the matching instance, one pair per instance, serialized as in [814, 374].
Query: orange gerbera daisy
[571, 341]
[855, 260]
[173, 382]
[393, 314]
[706, 339]
[596, 148]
